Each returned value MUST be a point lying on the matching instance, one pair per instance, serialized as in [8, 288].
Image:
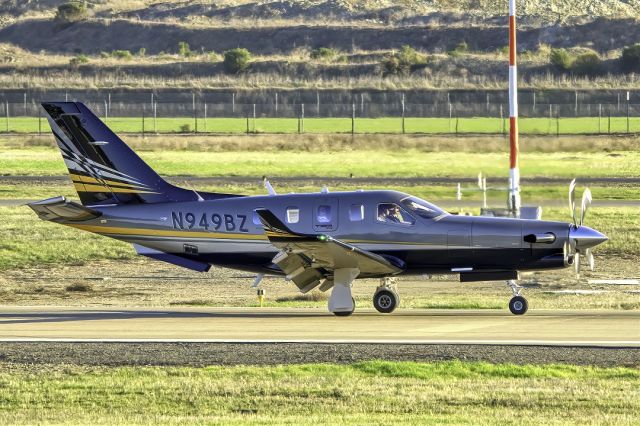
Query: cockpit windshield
[422, 208]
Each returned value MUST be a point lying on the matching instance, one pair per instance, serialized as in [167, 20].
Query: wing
[307, 258]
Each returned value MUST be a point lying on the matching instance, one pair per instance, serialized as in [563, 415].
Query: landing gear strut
[386, 298]
[518, 304]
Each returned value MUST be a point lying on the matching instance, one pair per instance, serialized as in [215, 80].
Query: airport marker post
[514, 170]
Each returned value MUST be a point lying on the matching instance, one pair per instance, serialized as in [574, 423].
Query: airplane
[325, 240]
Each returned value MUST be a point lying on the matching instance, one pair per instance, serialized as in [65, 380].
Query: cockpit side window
[393, 213]
[422, 208]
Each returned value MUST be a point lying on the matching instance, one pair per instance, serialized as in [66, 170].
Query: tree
[630, 59]
[72, 12]
[403, 61]
[183, 49]
[561, 59]
[236, 60]
[587, 64]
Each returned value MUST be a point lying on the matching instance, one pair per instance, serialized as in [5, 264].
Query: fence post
[557, 120]
[403, 109]
[24, 104]
[247, 123]
[276, 104]
[502, 120]
[106, 112]
[450, 113]
[599, 118]
[301, 127]
[143, 110]
[457, 119]
[627, 111]
[195, 115]
[109, 97]
[534, 101]
[317, 103]
[7, 114]
[39, 120]
[487, 103]
[609, 123]
[155, 116]
[576, 105]
[205, 117]
[254, 118]
[362, 104]
[233, 103]
[353, 118]
[550, 118]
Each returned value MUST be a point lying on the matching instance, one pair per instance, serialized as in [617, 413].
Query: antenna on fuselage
[267, 185]
[195, 192]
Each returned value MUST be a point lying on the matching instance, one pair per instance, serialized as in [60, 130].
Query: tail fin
[103, 168]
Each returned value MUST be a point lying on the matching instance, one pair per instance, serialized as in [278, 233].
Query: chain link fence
[397, 116]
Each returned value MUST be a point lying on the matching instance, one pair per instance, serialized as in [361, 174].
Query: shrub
[184, 50]
[587, 64]
[324, 53]
[142, 51]
[72, 12]
[630, 59]
[461, 48]
[185, 128]
[561, 59]
[236, 60]
[402, 62]
[121, 54]
[80, 59]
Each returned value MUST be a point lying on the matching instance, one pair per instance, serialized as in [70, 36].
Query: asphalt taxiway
[269, 325]
[261, 336]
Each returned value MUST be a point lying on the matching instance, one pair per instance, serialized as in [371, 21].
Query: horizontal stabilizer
[59, 209]
[194, 265]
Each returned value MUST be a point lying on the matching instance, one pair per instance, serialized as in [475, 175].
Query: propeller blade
[586, 202]
[590, 259]
[572, 200]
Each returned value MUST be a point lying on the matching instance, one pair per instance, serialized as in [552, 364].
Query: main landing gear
[518, 304]
[386, 298]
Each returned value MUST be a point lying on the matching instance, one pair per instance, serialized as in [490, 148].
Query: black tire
[386, 301]
[518, 305]
[348, 313]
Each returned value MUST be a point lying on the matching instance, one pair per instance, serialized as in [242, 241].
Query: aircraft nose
[586, 237]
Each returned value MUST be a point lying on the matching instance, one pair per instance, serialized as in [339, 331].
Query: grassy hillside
[459, 43]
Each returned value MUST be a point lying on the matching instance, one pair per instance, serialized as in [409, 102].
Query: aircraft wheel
[518, 305]
[347, 313]
[386, 301]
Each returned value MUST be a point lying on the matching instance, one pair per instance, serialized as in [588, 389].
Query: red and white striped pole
[514, 170]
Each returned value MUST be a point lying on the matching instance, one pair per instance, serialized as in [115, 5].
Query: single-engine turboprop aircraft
[324, 239]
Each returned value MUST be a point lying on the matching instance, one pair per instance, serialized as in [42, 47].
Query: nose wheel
[518, 305]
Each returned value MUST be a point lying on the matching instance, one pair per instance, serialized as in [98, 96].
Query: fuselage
[422, 239]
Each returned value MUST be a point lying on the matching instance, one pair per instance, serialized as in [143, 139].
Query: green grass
[409, 163]
[426, 125]
[373, 392]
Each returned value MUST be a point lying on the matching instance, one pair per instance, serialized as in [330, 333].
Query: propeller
[571, 249]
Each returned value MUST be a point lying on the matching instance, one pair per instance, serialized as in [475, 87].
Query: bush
[121, 54]
[80, 59]
[236, 60]
[185, 128]
[461, 48]
[324, 53]
[184, 50]
[587, 64]
[561, 59]
[630, 60]
[142, 52]
[402, 62]
[72, 12]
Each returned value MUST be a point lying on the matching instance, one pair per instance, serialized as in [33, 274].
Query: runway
[270, 325]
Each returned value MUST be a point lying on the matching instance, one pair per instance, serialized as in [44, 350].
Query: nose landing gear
[518, 305]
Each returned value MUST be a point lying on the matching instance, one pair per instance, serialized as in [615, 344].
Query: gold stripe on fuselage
[142, 232]
[84, 187]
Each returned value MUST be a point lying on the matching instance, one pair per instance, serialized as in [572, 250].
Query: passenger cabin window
[324, 214]
[356, 212]
[256, 219]
[393, 213]
[293, 215]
